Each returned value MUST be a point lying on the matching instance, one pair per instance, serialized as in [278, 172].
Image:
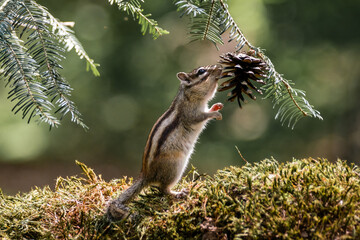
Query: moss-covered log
[309, 199]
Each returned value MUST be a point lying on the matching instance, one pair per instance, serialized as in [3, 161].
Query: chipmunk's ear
[183, 77]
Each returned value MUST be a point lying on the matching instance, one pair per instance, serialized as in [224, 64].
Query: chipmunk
[172, 138]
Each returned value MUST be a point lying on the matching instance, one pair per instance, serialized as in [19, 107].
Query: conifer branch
[275, 78]
[31, 68]
[133, 7]
[4, 4]
[189, 8]
[46, 52]
[289, 89]
[45, 39]
[205, 21]
[20, 70]
[208, 21]
[66, 36]
[240, 37]
[29, 94]
[291, 102]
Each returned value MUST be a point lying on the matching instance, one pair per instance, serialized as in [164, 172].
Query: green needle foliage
[301, 199]
[133, 7]
[66, 36]
[32, 43]
[210, 19]
[207, 19]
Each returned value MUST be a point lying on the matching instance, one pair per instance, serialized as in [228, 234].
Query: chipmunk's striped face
[201, 81]
[200, 74]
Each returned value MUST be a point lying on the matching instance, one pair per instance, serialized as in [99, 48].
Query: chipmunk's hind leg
[166, 172]
[167, 190]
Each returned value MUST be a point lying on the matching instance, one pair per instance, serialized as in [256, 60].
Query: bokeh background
[316, 44]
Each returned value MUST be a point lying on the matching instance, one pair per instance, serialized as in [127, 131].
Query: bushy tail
[117, 208]
[132, 191]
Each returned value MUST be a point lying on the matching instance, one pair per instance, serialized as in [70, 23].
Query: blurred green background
[316, 44]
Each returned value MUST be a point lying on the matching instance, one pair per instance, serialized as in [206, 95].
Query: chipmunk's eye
[201, 71]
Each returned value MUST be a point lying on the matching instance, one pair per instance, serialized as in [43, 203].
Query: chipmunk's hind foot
[117, 211]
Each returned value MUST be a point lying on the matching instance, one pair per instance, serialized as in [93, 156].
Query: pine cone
[240, 68]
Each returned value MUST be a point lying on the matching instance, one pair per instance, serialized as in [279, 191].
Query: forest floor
[301, 199]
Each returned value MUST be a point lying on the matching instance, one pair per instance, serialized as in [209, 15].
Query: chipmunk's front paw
[218, 116]
[116, 211]
[216, 107]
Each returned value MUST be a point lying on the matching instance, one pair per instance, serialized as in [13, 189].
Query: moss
[308, 198]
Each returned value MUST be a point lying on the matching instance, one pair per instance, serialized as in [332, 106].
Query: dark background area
[316, 44]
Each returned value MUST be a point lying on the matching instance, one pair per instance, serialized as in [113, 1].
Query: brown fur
[172, 138]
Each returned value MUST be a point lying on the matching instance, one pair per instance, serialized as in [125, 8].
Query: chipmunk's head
[201, 82]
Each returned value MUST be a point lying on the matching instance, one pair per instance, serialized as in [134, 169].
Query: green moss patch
[308, 198]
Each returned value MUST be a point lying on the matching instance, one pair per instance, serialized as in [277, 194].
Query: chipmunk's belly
[184, 139]
[174, 154]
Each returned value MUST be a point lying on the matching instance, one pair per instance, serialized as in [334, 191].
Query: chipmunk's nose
[217, 66]
[216, 70]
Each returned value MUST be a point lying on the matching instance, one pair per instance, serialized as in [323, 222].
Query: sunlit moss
[309, 198]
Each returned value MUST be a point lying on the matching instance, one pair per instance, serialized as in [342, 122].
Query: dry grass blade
[308, 198]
